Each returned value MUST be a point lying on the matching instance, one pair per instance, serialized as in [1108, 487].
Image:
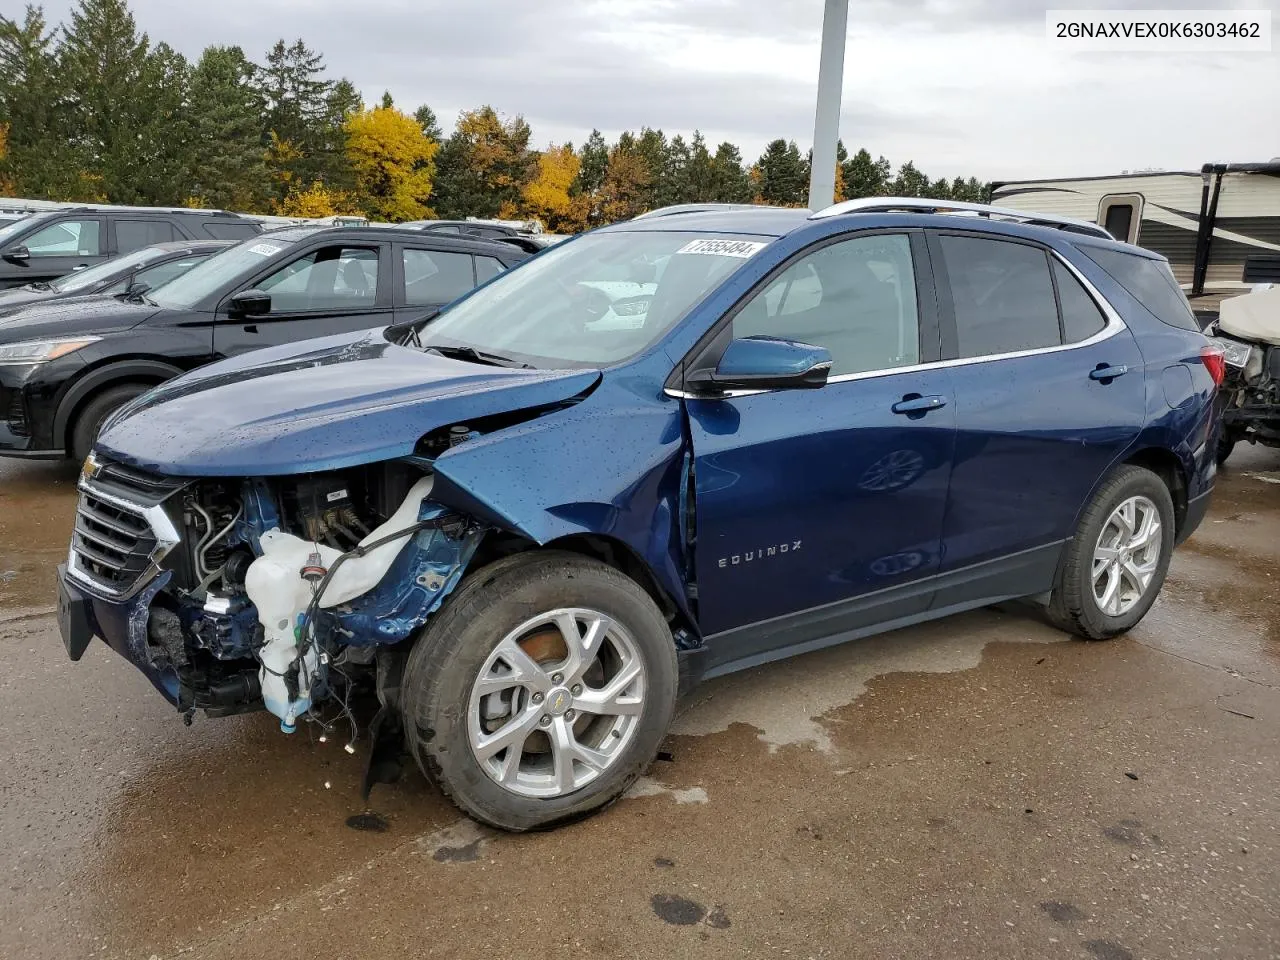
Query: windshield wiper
[477, 356]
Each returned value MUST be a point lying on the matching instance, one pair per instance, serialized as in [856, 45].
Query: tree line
[92, 111]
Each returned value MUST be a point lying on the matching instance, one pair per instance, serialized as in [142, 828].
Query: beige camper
[1219, 227]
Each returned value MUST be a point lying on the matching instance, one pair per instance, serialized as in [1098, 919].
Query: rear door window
[134, 234]
[435, 276]
[1002, 296]
[1150, 282]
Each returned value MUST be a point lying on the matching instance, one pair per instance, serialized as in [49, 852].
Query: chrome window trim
[1115, 324]
[166, 534]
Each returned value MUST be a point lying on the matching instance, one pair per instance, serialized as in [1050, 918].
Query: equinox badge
[760, 553]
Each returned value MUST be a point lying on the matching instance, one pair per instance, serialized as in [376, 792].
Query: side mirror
[249, 303]
[768, 363]
[18, 254]
[137, 288]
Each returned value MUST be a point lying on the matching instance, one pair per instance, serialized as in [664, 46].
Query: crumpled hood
[68, 316]
[318, 405]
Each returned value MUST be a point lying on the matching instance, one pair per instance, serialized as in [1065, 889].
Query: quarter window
[1081, 317]
[1002, 296]
[330, 278]
[432, 277]
[67, 238]
[135, 234]
[487, 268]
[1150, 282]
[857, 298]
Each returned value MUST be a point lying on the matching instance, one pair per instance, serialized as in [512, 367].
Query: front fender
[609, 466]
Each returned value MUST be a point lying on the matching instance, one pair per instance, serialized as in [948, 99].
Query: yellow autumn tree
[393, 162]
[315, 202]
[546, 197]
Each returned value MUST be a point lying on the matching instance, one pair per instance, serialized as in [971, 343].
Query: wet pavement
[978, 787]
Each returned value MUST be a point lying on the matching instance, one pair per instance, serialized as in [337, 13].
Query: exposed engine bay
[1248, 330]
[280, 591]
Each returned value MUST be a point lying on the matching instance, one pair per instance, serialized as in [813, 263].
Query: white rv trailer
[1219, 228]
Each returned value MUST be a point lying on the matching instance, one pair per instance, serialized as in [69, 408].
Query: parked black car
[66, 365]
[137, 272]
[46, 246]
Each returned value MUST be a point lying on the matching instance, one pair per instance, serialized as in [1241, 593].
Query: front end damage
[281, 592]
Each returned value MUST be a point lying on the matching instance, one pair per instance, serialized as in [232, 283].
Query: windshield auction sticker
[723, 248]
[265, 249]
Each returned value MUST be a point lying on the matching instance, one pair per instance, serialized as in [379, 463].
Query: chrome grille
[113, 544]
[121, 531]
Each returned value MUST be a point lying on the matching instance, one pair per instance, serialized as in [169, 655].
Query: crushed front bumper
[122, 625]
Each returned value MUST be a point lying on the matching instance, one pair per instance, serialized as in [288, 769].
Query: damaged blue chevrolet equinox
[659, 452]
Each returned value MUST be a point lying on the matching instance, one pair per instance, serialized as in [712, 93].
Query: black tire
[455, 645]
[85, 431]
[1072, 604]
[1226, 443]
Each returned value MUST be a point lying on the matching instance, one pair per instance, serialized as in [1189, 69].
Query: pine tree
[864, 177]
[306, 116]
[730, 183]
[113, 114]
[910, 182]
[227, 168]
[699, 174]
[426, 118]
[782, 174]
[593, 161]
[38, 161]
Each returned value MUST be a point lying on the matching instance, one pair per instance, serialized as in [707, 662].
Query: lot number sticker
[723, 248]
[265, 249]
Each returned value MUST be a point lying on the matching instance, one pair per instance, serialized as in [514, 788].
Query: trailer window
[1120, 214]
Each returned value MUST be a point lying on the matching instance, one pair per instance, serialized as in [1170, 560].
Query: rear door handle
[914, 403]
[1104, 372]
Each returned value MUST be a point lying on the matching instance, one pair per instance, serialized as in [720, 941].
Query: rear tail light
[1214, 359]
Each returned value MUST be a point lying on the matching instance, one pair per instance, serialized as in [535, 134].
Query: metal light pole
[826, 123]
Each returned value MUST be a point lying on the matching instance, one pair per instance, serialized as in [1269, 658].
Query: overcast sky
[967, 87]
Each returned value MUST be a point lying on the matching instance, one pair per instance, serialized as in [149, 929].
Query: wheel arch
[1166, 465]
[610, 551]
[148, 372]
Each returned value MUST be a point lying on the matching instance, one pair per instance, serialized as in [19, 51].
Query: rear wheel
[89, 423]
[541, 690]
[1116, 563]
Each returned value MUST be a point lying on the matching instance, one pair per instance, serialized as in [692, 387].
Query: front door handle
[1106, 373]
[915, 404]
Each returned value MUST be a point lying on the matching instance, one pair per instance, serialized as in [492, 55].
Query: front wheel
[1116, 563]
[541, 690]
[1226, 443]
[95, 413]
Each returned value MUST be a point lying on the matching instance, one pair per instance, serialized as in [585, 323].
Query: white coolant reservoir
[275, 585]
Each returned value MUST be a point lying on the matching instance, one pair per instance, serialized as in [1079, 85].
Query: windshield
[91, 276]
[206, 278]
[9, 229]
[600, 299]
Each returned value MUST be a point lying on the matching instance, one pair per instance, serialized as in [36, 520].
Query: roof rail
[921, 205]
[679, 208]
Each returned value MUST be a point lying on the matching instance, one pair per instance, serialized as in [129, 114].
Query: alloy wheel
[1126, 556]
[556, 703]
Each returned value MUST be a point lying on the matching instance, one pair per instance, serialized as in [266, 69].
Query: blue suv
[659, 452]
